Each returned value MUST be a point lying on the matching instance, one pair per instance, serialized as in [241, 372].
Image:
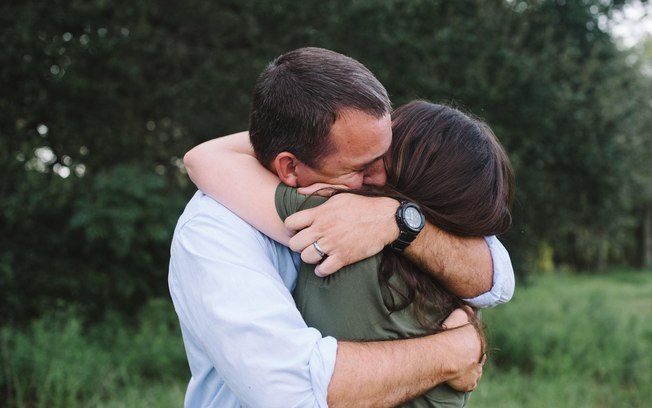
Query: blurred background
[100, 100]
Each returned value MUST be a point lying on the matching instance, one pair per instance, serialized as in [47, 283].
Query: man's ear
[285, 164]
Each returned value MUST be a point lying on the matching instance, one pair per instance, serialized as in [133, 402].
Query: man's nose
[375, 175]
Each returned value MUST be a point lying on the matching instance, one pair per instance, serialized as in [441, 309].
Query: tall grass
[565, 341]
[572, 341]
[57, 363]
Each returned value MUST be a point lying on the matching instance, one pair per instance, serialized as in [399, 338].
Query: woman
[451, 165]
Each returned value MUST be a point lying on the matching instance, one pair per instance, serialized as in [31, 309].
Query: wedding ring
[320, 251]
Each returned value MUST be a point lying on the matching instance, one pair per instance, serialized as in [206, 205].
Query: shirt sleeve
[237, 308]
[503, 277]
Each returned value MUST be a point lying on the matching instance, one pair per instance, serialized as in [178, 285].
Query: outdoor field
[572, 341]
[563, 341]
[530, 120]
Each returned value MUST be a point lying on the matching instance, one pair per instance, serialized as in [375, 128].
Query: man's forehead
[354, 127]
[360, 139]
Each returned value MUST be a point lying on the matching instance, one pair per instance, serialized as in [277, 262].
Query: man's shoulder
[203, 209]
[205, 219]
[209, 229]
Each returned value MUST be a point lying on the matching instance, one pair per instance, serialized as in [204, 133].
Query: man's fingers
[300, 220]
[480, 371]
[458, 318]
[302, 240]
[328, 266]
[311, 256]
[478, 375]
[469, 380]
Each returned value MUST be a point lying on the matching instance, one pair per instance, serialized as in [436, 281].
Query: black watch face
[412, 217]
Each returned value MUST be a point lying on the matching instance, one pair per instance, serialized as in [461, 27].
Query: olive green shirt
[349, 305]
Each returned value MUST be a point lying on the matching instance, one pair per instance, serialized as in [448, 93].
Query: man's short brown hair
[298, 97]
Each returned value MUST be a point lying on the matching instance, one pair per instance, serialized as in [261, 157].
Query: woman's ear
[285, 165]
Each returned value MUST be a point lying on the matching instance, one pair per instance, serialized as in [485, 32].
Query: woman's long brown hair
[454, 167]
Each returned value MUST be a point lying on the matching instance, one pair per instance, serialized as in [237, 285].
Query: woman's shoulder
[288, 200]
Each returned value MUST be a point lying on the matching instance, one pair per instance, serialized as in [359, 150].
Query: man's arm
[365, 371]
[350, 228]
[245, 323]
[462, 264]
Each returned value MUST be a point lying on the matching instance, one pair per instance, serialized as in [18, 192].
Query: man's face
[361, 141]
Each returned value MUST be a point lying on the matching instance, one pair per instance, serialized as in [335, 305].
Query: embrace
[336, 253]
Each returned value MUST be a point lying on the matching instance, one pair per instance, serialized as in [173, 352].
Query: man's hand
[348, 229]
[470, 371]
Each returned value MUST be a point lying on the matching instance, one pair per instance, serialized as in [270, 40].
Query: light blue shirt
[503, 280]
[246, 343]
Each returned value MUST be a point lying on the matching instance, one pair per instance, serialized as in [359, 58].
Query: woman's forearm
[227, 170]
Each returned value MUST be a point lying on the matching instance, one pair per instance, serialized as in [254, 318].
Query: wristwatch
[410, 222]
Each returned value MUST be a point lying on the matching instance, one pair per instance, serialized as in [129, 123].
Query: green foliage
[572, 341]
[56, 362]
[565, 341]
[100, 242]
[101, 99]
[123, 204]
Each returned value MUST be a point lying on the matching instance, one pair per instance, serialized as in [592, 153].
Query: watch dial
[412, 217]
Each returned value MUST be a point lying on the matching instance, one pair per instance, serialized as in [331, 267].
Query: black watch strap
[408, 231]
[402, 242]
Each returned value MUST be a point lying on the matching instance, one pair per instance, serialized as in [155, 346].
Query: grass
[58, 363]
[565, 341]
[572, 341]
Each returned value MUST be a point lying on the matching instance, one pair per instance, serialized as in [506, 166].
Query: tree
[101, 100]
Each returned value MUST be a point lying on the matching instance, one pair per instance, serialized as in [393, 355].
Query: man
[317, 116]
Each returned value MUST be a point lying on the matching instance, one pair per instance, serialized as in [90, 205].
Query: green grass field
[572, 341]
[564, 341]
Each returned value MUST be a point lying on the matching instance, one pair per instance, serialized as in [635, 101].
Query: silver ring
[320, 251]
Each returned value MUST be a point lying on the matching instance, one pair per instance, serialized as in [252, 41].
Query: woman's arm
[227, 170]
